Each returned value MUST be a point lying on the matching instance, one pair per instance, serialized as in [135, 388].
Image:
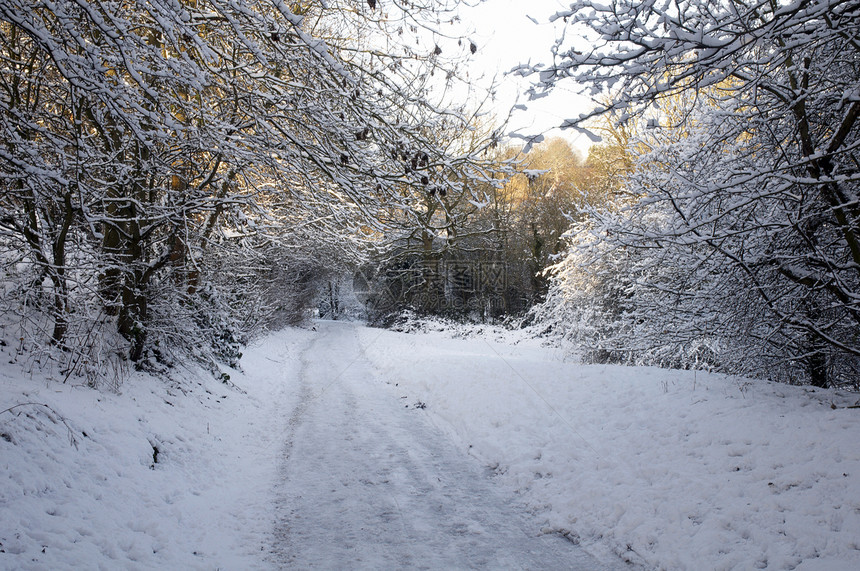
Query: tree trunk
[132, 317]
[816, 363]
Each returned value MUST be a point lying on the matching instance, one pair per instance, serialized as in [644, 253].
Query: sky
[506, 36]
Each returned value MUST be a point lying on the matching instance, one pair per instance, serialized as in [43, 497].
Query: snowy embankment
[670, 469]
[166, 475]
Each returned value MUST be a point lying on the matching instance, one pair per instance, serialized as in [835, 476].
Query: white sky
[506, 37]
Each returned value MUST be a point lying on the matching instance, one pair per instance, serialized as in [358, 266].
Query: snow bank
[669, 469]
[168, 474]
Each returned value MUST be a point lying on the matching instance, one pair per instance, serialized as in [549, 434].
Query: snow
[105, 503]
[366, 479]
[361, 448]
[669, 469]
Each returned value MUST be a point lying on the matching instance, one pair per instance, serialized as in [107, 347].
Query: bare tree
[143, 133]
[743, 212]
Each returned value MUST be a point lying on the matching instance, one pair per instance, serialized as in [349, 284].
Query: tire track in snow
[367, 483]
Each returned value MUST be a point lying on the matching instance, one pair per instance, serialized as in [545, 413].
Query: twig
[72, 440]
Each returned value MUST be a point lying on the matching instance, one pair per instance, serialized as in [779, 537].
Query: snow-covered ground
[350, 447]
[368, 483]
[669, 469]
[80, 487]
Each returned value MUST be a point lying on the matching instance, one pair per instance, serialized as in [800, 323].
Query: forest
[179, 176]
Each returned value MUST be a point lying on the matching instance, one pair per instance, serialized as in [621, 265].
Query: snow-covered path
[313, 460]
[367, 482]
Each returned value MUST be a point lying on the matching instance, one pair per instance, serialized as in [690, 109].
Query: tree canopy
[146, 143]
[738, 229]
